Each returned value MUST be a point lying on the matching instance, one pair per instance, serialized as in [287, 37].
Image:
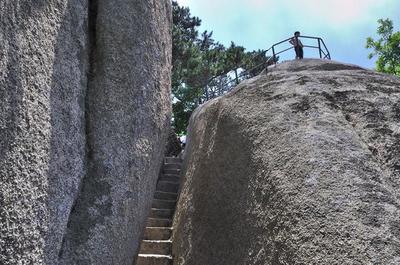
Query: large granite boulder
[84, 110]
[43, 65]
[297, 166]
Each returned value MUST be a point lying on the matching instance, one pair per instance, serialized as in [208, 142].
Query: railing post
[326, 48]
[319, 48]
[273, 56]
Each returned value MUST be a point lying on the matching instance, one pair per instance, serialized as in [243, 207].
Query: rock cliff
[85, 104]
[297, 166]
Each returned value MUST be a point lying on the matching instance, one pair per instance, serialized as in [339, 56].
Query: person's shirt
[183, 139]
[295, 41]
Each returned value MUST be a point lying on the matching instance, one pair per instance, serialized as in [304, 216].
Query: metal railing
[272, 59]
[323, 50]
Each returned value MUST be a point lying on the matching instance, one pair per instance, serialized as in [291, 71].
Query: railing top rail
[309, 37]
[280, 42]
[301, 36]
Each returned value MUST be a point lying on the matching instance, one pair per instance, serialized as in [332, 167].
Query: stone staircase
[156, 247]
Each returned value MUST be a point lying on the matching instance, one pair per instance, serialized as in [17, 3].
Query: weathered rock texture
[299, 166]
[43, 66]
[84, 88]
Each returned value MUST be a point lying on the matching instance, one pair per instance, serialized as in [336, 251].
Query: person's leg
[301, 52]
[296, 49]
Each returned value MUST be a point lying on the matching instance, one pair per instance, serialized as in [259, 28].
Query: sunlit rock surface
[297, 166]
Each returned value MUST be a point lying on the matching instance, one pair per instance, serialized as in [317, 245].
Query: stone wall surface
[85, 104]
[128, 117]
[297, 166]
[42, 142]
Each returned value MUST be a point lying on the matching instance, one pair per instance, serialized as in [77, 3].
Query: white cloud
[183, 2]
[258, 3]
[335, 12]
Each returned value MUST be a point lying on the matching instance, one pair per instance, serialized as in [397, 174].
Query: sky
[344, 25]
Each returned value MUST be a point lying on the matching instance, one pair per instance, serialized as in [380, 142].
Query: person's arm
[291, 41]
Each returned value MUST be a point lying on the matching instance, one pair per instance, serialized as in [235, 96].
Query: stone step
[157, 233]
[160, 195]
[174, 174]
[164, 204]
[151, 259]
[169, 177]
[161, 247]
[167, 186]
[172, 166]
[171, 160]
[161, 213]
[156, 247]
[171, 171]
[159, 222]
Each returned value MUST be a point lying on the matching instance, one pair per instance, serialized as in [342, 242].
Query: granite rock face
[85, 107]
[42, 132]
[297, 166]
[129, 114]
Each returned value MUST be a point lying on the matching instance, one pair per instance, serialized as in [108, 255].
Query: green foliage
[202, 66]
[387, 48]
[186, 59]
[256, 61]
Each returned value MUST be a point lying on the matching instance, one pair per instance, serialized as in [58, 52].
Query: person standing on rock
[298, 46]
